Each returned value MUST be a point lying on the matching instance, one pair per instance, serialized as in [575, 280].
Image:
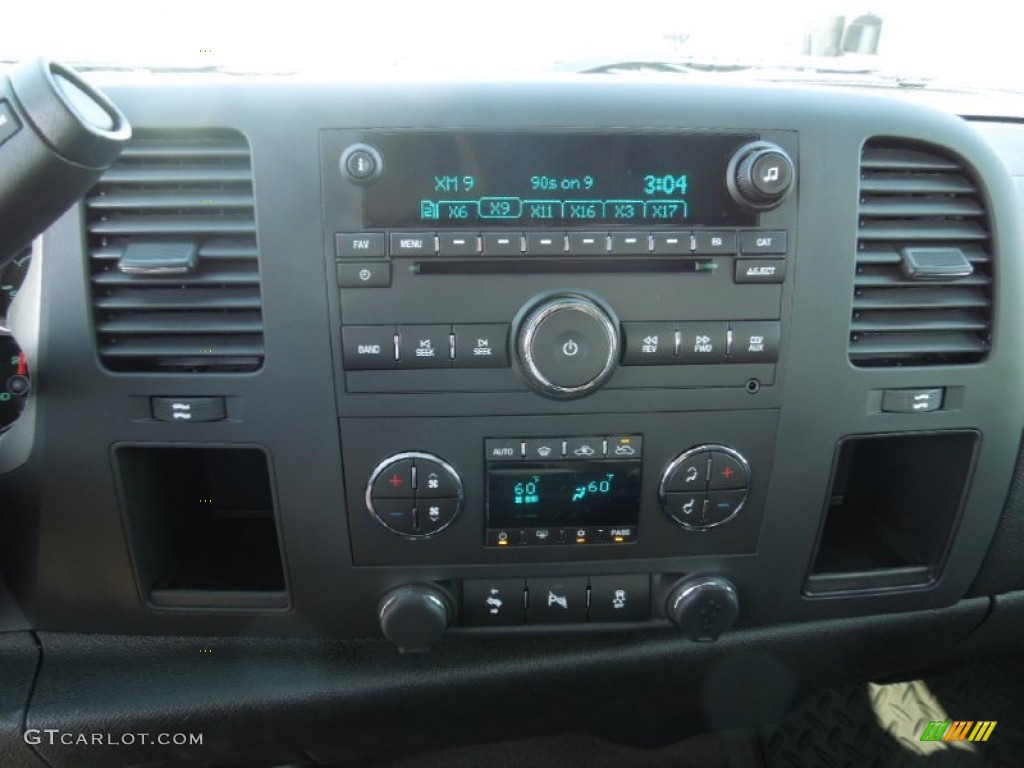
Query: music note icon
[772, 174]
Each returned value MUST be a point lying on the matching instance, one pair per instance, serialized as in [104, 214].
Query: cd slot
[575, 265]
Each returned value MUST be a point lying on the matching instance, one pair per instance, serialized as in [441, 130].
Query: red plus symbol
[395, 481]
[727, 473]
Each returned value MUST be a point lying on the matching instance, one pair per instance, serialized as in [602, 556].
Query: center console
[566, 283]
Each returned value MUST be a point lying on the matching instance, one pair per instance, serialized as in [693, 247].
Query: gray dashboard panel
[297, 407]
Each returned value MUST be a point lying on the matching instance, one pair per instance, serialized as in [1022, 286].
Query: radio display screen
[563, 494]
[434, 180]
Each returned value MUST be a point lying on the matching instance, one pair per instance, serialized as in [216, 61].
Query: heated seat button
[493, 602]
[649, 343]
[394, 481]
[481, 346]
[424, 346]
[557, 601]
[727, 472]
[620, 598]
[368, 346]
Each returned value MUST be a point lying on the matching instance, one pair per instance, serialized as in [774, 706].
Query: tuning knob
[414, 617]
[760, 176]
[567, 346]
[703, 607]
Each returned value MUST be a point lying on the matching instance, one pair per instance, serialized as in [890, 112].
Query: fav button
[359, 244]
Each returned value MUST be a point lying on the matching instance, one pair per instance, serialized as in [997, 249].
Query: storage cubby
[202, 526]
[894, 504]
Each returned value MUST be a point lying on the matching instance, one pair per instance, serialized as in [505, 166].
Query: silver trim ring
[460, 499]
[532, 325]
[686, 456]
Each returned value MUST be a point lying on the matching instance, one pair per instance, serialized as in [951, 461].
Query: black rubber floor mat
[880, 726]
[730, 749]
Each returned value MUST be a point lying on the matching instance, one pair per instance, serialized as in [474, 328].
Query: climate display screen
[495, 180]
[578, 493]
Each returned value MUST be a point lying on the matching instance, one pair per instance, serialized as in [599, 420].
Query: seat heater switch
[188, 409]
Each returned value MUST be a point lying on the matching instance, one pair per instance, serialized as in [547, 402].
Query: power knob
[760, 176]
[703, 607]
[414, 617]
[567, 346]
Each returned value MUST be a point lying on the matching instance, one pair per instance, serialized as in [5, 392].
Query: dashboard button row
[666, 343]
[563, 448]
[383, 347]
[572, 536]
[557, 600]
[355, 245]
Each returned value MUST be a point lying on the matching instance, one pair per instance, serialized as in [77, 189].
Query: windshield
[913, 40]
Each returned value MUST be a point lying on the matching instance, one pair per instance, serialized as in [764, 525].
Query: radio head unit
[505, 180]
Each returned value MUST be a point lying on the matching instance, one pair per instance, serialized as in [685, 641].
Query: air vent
[923, 288]
[173, 256]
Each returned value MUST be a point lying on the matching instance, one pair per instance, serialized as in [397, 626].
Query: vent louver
[172, 192]
[916, 199]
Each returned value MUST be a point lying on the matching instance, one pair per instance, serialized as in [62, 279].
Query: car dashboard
[403, 402]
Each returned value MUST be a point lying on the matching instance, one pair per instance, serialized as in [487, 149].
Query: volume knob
[567, 346]
[760, 176]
